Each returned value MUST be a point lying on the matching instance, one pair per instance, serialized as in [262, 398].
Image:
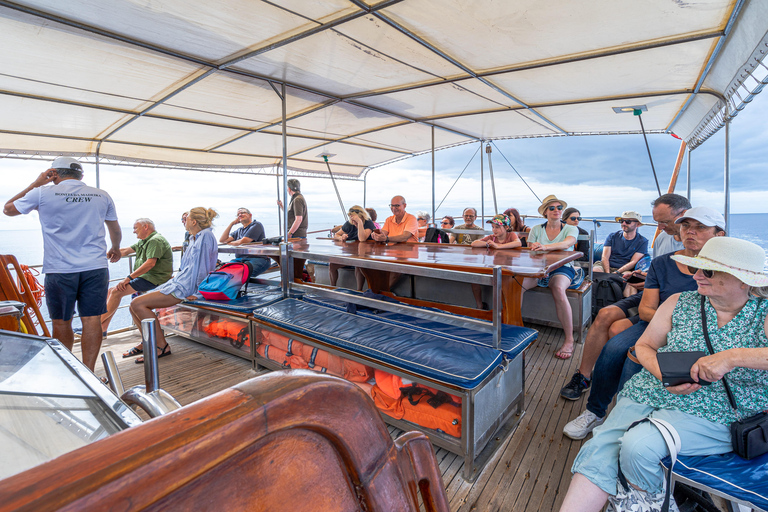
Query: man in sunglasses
[623, 249]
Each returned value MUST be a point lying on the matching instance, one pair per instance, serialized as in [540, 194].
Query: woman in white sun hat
[732, 292]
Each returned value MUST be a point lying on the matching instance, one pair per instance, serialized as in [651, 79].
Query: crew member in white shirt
[75, 255]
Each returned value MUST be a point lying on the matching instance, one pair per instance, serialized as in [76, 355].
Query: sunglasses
[627, 221]
[558, 207]
[395, 205]
[709, 274]
[575, 218]
[445, 223]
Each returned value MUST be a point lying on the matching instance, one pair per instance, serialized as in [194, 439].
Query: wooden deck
[530, 473]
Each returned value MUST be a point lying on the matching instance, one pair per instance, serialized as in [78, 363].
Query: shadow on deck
[531, 472]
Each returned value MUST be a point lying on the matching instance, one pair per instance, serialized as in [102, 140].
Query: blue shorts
[141, 285]
[627, 303]
[575, 274]
[88, 289]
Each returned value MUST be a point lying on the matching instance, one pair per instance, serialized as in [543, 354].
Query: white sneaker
[579, 428]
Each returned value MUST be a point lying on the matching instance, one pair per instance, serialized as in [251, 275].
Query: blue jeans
[258, 264]
[607, 374]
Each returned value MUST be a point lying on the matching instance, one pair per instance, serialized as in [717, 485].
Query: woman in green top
[556, 236]
[732, 288]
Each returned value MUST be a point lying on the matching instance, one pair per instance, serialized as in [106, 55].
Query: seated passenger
[372, 214]
[502, 238]
[624, 248]
[153, 267]
[666, 209]
[447, 223]
[556, 236]
[517, 224]
[469, 214]
[250, 231]
[423, 219]
[665, 278]
[400, 227]
[358, 227]
[732, 289]
[196, 264]
[572, 217]
[185, 243]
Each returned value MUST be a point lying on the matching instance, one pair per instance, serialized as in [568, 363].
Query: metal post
[497, 306]
[482, 193]
[591, 251]
[286, 268]
[149, 346]
[727, 174]
[98, 176]
[279, 213]
[285, 164]
[333, 181]
[365, 190]
[113, 374]
[488, 151]
[434, 221]
[688, 176]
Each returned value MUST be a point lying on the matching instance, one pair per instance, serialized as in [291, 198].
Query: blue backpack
[225, 282]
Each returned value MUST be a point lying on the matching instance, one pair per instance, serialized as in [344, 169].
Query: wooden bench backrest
[287, 441]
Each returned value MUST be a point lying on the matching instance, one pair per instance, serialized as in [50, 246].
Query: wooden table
[515, 263]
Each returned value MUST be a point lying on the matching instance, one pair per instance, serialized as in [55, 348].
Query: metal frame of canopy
[385, 13]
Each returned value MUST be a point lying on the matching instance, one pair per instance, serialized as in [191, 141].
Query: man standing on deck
[624, 248]
[250, 231]
[72, 216]
[469, 214]
[153, 267]
[298, 218]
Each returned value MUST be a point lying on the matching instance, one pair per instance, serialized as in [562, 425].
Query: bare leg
[619, 326]
[142, 308]
[113, 302]
[333, 273]
[478, 293]
[62, 331]
[359, 279]
[90, 341]
[558, 284]
[583, 496]
[597, 336]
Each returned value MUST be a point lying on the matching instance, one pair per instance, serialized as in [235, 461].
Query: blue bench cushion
[432, 355]
[258, 296]
[514, 339]
[745, 480]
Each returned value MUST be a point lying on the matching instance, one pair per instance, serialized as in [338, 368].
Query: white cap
[66, 162]
[707, 216]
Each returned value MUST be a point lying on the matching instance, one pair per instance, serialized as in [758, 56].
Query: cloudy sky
[600, 175]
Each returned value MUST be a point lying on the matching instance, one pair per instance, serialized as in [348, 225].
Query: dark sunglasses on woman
[573, 219]
[709, 274]
[558, 207]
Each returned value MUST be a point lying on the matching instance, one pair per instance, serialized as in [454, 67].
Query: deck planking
[530, 471]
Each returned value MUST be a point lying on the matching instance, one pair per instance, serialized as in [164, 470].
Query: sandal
[135, 351]
[165, 352]
[563, 354]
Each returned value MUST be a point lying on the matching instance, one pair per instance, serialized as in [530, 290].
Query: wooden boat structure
[263, 88]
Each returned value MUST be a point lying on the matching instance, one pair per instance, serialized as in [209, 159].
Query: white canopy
[194, 84]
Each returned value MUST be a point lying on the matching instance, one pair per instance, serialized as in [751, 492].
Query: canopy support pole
[488, 151]
[434, 221]
[285, 164]
[482, 191]
[279, 217]
[338, 196]
[365, 189]
[688, 176]
[727, 175]
[639, 114]
[98, 176]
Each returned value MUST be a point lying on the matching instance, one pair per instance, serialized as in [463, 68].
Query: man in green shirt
[153, 267]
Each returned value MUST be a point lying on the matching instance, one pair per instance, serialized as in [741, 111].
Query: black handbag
[749, 436]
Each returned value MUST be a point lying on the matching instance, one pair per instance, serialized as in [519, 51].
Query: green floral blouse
[750, 387]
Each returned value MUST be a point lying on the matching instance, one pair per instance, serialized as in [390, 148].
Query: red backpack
[225, 282]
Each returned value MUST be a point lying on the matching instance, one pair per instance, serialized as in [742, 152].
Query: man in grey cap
[75, 255]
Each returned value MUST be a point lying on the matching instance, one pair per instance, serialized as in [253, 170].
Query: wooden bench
[287, 441]
[539, 308]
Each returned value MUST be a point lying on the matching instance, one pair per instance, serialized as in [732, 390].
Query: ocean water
[27, 245]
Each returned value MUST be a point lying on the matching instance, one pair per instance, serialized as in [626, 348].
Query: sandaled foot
[135, 351]
[564, 352]
[166, 351]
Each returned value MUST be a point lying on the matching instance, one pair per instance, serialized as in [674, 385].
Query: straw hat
[631, 214]
[743, 260]
[551, 198]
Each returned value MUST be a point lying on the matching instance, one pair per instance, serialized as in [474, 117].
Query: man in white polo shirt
[75, 253]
